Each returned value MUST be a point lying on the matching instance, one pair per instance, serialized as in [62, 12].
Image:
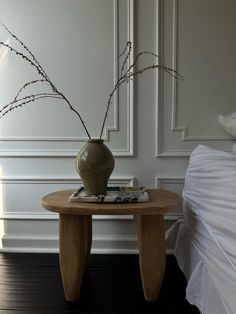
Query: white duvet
[206, 243]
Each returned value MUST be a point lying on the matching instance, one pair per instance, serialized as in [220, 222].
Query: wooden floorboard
[31, 284]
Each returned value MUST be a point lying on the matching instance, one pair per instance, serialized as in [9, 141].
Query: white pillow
[228, 122]
[210, 191]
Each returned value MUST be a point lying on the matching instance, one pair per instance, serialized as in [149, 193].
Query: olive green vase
[95, 164]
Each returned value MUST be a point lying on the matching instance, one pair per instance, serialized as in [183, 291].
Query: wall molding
[54, 216]
[114, 180]
[164, 180]
[59, 153]
[36, 215]
[160, 182]
[174, 126]
[184, 129]
[100, 245]
[129, 149]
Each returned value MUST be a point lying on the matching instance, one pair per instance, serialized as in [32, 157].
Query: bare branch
[125, 77]
[169, 71]
[24, 46]
[24, 57]
[34, 62]
[24, 103]
[33, 97]
[138, 56]
[27, 84]
[126, 74]
[129, 47]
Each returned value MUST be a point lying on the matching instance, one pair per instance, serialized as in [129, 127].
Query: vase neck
[96, 140]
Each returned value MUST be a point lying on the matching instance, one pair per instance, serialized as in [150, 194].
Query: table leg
[74, 250]
[88, 238]
[152, 256]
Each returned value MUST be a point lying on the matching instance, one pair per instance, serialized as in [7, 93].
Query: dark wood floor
[31, 284]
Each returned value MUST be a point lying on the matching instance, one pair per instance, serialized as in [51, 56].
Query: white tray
[113, 195]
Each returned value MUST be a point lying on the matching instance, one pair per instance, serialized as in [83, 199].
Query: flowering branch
[11, 105]
[27, 84]
[129, 47]
[34, 62]
[125, 77]
[25, 48]
[126, 74]
[31, 99]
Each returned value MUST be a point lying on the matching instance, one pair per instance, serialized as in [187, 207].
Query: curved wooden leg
[152, 256]
[73, 253]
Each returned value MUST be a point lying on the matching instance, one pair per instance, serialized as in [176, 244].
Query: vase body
[95, 164]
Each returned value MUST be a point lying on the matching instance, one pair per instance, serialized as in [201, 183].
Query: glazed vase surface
[95, 164]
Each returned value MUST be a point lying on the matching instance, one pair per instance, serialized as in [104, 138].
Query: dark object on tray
[113, 195]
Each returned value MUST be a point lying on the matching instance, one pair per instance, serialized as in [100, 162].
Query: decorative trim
[54, 216]
[159, 79]
[159, 181]
[160, 152]
[130, 87]
[107, 130]
[173, 216]
[58, 153]
[129, 150]
[39, 153]
[100, 245]
[75, 139]
[120, 181]
[174, 127]
[48, 216]
[28, 216]
[124, 180]
[171, 153]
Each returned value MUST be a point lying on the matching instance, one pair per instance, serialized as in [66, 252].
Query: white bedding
[206, 242]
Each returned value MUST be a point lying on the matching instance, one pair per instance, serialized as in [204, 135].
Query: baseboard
[100, 245]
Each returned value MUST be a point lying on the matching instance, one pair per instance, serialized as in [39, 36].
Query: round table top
[160, 202]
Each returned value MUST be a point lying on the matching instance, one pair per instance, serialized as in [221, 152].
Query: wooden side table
[75, 236]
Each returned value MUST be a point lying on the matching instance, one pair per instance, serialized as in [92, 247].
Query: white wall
[153, 126]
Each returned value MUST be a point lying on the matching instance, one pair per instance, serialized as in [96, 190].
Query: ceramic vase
[95, 164]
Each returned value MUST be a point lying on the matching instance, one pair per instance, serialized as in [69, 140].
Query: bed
[206, 239]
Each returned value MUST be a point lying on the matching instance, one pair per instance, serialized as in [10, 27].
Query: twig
[26, 102]
[129, 47]
[34, 62]
[24, 46]
[128, 75]
[24, 57]
[124, 77]
[33, 96]
[139, 55]
[27, 84]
